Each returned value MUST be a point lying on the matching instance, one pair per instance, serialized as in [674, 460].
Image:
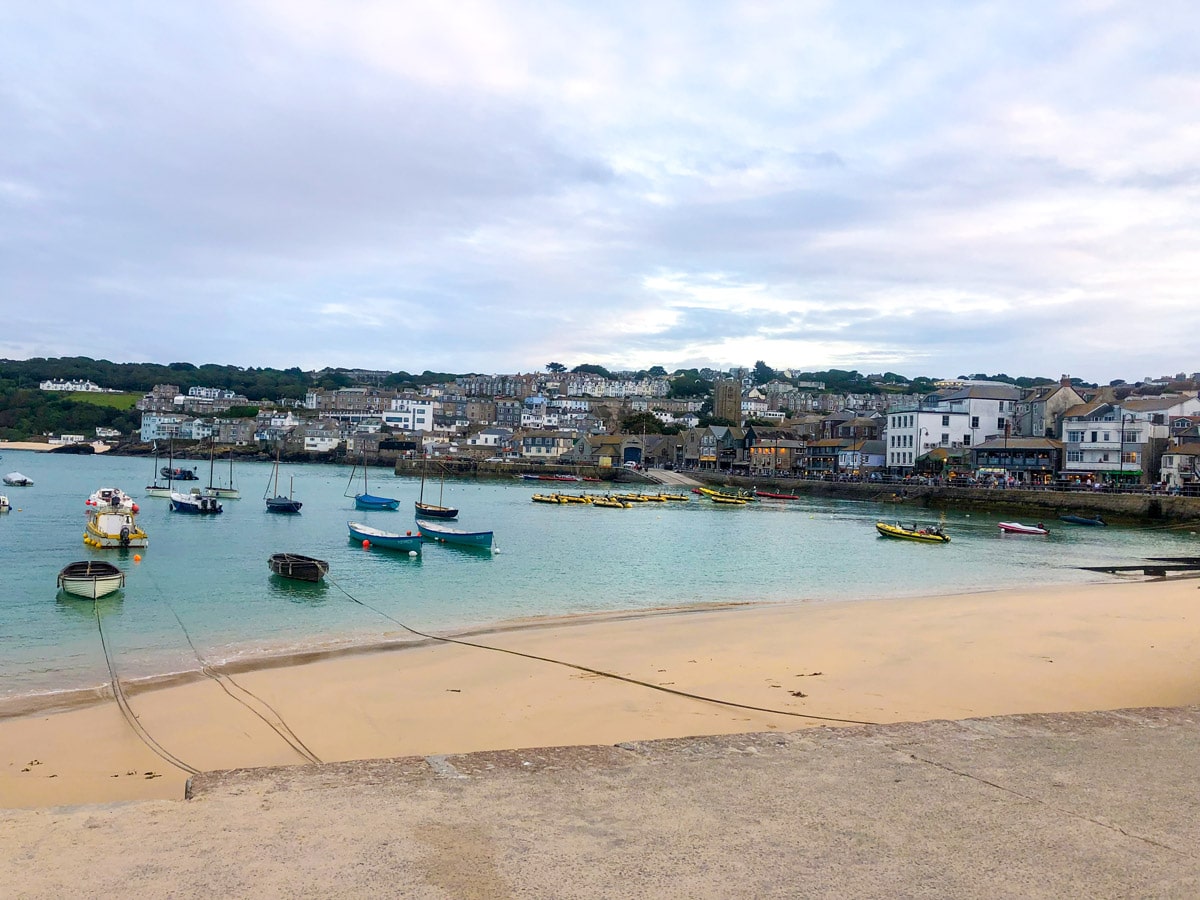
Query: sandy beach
[789, 666]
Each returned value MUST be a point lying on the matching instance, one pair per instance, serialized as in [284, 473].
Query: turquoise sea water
[202, 589]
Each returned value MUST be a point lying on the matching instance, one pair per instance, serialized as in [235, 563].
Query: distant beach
[779, 666]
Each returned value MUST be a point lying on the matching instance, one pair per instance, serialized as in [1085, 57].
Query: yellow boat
[712, 492]
[682, 498]
[731, 501]
[932, 534]
[546, 498]
[611, 503]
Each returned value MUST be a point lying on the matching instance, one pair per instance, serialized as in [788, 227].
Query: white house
[951, 419]
[1105, 441]
[409, 414]
[90, 386]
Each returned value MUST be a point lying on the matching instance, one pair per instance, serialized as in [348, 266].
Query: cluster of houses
[970, 430]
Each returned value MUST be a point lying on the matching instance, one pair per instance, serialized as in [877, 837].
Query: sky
[928, 188]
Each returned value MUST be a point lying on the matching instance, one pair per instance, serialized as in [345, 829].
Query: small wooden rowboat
[91, 578]
[300, 568]
[1018, 528]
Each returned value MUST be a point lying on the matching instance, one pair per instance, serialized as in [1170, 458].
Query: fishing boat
[91, 578]
[195, 503]
[109, 528]
[111, 498]
[389, 540]
[1018, 528]
[1083, 520]
[280, 503]
[365, 499]
[215, 490]
[16, 479]
[931, 534]
[433, 510]
[179, 474]
[436, 531]
[298, 567]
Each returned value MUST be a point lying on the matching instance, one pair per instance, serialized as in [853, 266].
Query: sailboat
[156, 489]
[431, 510]
[367, 500]
[280, 503]
[226, 493]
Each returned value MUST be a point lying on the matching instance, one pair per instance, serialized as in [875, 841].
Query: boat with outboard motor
[196, 503]
[930, 534]
[111, 498]
[1018, 528]
[109, 529]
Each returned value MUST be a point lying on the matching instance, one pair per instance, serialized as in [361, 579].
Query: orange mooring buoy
[137, 557]
[366, 544]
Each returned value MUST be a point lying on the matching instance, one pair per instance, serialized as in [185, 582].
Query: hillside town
[964, 431]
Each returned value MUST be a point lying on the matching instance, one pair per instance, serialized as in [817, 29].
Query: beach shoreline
[766, 667]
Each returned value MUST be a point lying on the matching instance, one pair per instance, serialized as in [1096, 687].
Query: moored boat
[772, 496]
[365, 499]
[297, 566]
[111, 498]
[436, 531]
[611, 503]
[195, 503]
[433, 510]
[1083, 520]
[280, 503]
[1018, 528]
[91, 578]
[179, 474]
[723, 500]
[5, 506]
[389, 540]
[108, 529]
[931, 534]
[16, 479]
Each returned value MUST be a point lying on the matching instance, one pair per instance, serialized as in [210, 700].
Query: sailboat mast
[212, 449]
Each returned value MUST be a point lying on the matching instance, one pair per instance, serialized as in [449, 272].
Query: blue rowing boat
[1083, 520]
[389, 540]
[436, 531]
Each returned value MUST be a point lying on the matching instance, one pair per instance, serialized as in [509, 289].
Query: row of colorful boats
[934, 534]
[613, 501]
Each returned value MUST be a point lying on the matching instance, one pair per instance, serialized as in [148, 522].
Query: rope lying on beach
[599, 672]
[279, 726]
[127, 710]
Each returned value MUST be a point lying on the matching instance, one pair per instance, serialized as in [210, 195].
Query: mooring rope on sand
[599, 672]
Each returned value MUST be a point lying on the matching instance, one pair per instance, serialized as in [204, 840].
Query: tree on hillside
[763, 373]
[642, 422]
[688, 383]
[593, 370]
[555, 368]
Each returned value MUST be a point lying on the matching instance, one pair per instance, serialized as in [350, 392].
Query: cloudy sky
[934, 188]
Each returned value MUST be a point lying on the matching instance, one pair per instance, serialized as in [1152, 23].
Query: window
[1074, 456]
[1094, 435]
[966, 441]
[1000, 423]
[1130, 457]
[945, 437]
[1074, 437]
[1129, 437]
[974, 421]
[945, 421]
[1106, 436]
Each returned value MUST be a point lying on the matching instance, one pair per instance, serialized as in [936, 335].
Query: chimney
[1065, 381]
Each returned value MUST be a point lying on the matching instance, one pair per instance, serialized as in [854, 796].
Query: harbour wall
[1040, 503]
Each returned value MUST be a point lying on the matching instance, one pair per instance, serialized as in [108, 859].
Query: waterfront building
[1024, 460]
[953, 419]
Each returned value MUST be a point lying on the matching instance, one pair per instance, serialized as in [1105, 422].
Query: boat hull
[432, 511]
[370, 501]
[432, 531]
[196, 505]
[389, 540]
[283, 505]
[908, 534]
[1018, 528]
[298, 567]
[1082, 520]
[223, 493]
[109, 530]
[91, 579]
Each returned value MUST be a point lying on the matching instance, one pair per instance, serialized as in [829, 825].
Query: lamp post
[1121, 452]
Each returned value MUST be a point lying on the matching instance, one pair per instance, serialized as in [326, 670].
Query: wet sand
[789, 666]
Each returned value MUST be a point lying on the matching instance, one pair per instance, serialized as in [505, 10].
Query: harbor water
[202, 592]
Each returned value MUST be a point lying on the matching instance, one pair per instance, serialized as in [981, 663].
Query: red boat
[776, 496]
